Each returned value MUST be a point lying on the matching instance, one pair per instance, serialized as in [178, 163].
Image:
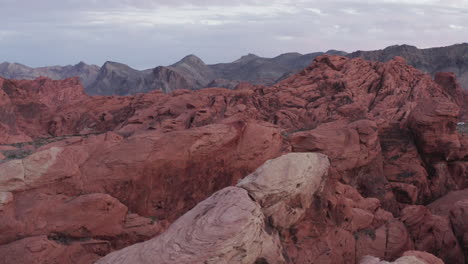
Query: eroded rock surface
[430, 60]
[390, 133]
[284, 186]
[410, 257]
[230, 226]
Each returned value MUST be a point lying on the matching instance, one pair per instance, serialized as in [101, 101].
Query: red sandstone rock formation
[136, 164]
[231, 225]
[409, 257]
[26, 107]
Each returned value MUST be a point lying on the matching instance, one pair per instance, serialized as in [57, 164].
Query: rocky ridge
[136, 164]
[191, 73]
[86, 73]
[231, 225]
[452, 58]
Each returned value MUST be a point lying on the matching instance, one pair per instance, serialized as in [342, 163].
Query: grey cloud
[147, 33]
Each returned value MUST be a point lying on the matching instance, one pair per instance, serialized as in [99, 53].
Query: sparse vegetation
[24, 149]
[368, 232]
[16, 154]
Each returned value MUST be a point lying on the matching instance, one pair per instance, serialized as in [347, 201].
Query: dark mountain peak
[288, 55]
[111, 66]
[397, 49]
[252, 55]
[464, 44]
[247, 58]
[81, 64]
[4, 64]
[459, 46]
[190, 60]
[9, 69]
[336, 52]
[401, 47]
[16, 64]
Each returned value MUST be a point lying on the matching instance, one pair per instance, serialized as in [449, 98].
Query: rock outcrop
[26, 107]
[454, 207]
[142, 162]
[432, 232]
[409, 257]
[231, 225]
[431, 60]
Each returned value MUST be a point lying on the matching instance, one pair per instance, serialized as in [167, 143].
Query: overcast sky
[147, 33]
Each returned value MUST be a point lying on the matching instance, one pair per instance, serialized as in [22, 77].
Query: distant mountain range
[87, 73]
[453, 58]
[191, 72]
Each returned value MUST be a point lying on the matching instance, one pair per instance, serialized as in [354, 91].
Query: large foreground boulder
[409, 257]
[231, 225]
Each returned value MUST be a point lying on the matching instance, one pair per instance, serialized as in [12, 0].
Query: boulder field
[376, 171]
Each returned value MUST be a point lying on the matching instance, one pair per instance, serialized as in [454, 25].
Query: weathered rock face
[360, 227]
[432, 232]
[284, 186]
[449, 82]
[111, 164]
[409, 257]
[459, 221]
[432, 60]
[230, 226]
[454, 207]
[424, 256]
[348, 145]
[389, 131]
[434, 140]
[26, 107]
[99, 216]
[42, 249]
